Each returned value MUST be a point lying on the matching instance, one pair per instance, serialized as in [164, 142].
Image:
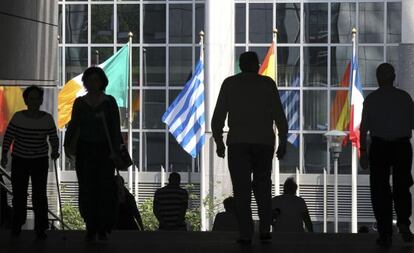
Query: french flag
[357, 101]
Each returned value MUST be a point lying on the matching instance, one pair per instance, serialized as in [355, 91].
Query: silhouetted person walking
[253, 105]
[95, 164]
[226, 221]
[388, 117]
[29, 131]
[170, 204]
[129, 217]
[290, 210]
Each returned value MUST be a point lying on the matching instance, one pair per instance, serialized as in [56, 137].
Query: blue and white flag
[290, 103]
[185, 117]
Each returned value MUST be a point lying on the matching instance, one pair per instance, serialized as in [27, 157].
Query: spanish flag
[116, 68]
[340, 108]
[268, 67]
[11, 101]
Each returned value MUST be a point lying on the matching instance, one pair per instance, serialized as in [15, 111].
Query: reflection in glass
[394, 22]
[343, 19]
[77, 23]
[369, 59]
[154, 23]
[288, 22]
[135, 66]
[288, 66]
[153, 109]
[135, 149]
[340, 59]
[179, 160]
[260, 23]
[371, 22]
[153, 145]
[238, 52]
[181, 25]
[316, 22]
[154, 66]
[290, 162]
[315, 153]
[315, 66]
[240, 26]
[315, 109]
[100, 54]
[102, 24]
[180, 65]
[76, 61]
[128, 21]
[392, 58]
[199, 20]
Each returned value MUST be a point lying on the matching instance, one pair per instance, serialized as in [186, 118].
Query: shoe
[102, 236]
[384, 241]
[265, 237]
[90, 236]
[244, 241]
[41, 235]
[406, 233]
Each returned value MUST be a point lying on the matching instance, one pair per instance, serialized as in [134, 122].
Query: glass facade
[164, 51]
[314, 46]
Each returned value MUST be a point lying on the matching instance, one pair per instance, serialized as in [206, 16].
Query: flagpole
[354, 173]
[130, 35]
[276, 174]
[201, 164]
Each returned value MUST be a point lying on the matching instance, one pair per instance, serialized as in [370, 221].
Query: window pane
[343, 19]
[181, 25]
[154, 23]
[260, 23]
[77, 23]
[238, 52]
[100, 54]
[136, 108]
[102, 26]
[288, 22]
[261, 52]
[288, 67]
[394, 22]
[128, 21]
[315, 153]
[316, 22]
[154, 66]
[315, 66]
[291, 105]
[240, 25]
[290, 162]
[179, 159]
[135, 66]
[338, 110]
[153, 151]
[135, 148]
[340, 58]
[199, 21]
[371, 22]
[392, 58]
[154, 108]
[369, 59]
[315, 110]
[76, 61]
[180, 65]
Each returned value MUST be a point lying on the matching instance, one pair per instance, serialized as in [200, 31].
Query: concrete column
[219, 64]
[406, 60]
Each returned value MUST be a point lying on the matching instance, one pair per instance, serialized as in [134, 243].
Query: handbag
[124, 158]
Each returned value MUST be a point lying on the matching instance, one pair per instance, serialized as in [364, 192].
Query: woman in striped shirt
[28, 132]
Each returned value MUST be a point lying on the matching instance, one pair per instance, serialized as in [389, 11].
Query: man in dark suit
[252, 104]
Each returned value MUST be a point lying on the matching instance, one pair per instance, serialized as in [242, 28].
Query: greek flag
[185, 116]
[290, 103]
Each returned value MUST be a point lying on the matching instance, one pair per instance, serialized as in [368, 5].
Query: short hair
[228, 204]
[249, 62]
[174, 178]
[290, 186]
[385, 74]
[99, 73]
[31, 88]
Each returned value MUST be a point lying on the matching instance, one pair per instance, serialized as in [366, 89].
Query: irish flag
[357, 101]
[116, 69]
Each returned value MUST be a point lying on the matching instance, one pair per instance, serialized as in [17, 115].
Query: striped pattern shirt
[29, 136]
[170, 206]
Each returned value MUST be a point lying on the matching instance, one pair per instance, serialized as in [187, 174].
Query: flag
[340, 107]
[357, 101]
[11, 101]
[185, 116]
[115, 68]
[268, 67]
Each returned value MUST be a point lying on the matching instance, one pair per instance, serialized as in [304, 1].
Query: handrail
[4, 172]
